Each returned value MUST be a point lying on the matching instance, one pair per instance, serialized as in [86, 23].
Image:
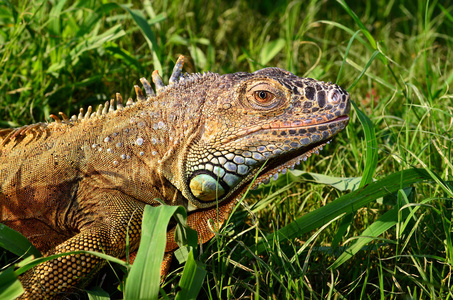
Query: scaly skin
[81, 183]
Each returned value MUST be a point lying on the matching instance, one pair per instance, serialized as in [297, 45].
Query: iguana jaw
[279, 164]
[229, 183]
[271, 170]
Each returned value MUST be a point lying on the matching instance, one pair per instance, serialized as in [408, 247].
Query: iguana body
[81, 183]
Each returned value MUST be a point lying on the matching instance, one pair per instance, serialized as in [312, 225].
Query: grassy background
[393, 57]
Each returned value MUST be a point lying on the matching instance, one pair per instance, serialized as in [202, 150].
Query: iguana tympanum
[80, 183]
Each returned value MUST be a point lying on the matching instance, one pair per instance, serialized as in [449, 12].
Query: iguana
[80, 183]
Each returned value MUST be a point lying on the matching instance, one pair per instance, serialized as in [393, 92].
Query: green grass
[395, 60]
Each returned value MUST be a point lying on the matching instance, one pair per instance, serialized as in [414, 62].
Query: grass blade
[384, 223]
[371, 146]
[10, 286]
[368, 64]
[191, 280]
[143, 281]
[270, 50]
[140, 20]
[359, 23]
[346, 55]
[16, 243]
[96, 41]
[346, 204]
[340, 183]
[97, 294]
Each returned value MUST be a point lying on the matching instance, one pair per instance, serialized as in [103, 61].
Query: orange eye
[263, 96]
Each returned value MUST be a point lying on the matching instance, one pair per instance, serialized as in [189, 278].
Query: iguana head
[254, 126]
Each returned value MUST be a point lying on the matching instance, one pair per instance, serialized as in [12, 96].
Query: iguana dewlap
[81, 183]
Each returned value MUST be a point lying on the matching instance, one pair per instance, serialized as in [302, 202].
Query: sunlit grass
[397, 64]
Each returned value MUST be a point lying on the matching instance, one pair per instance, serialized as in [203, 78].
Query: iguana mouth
[273, 168]
[280, 164]
[225, 174]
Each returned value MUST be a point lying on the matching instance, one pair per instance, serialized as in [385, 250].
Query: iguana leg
[107, 235]
[63, 274]
[198, 221]
[165, 266]
[51, 278]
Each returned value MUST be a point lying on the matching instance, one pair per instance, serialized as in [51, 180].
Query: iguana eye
[263, 96]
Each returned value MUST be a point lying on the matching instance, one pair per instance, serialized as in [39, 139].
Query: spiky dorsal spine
[16, 135]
